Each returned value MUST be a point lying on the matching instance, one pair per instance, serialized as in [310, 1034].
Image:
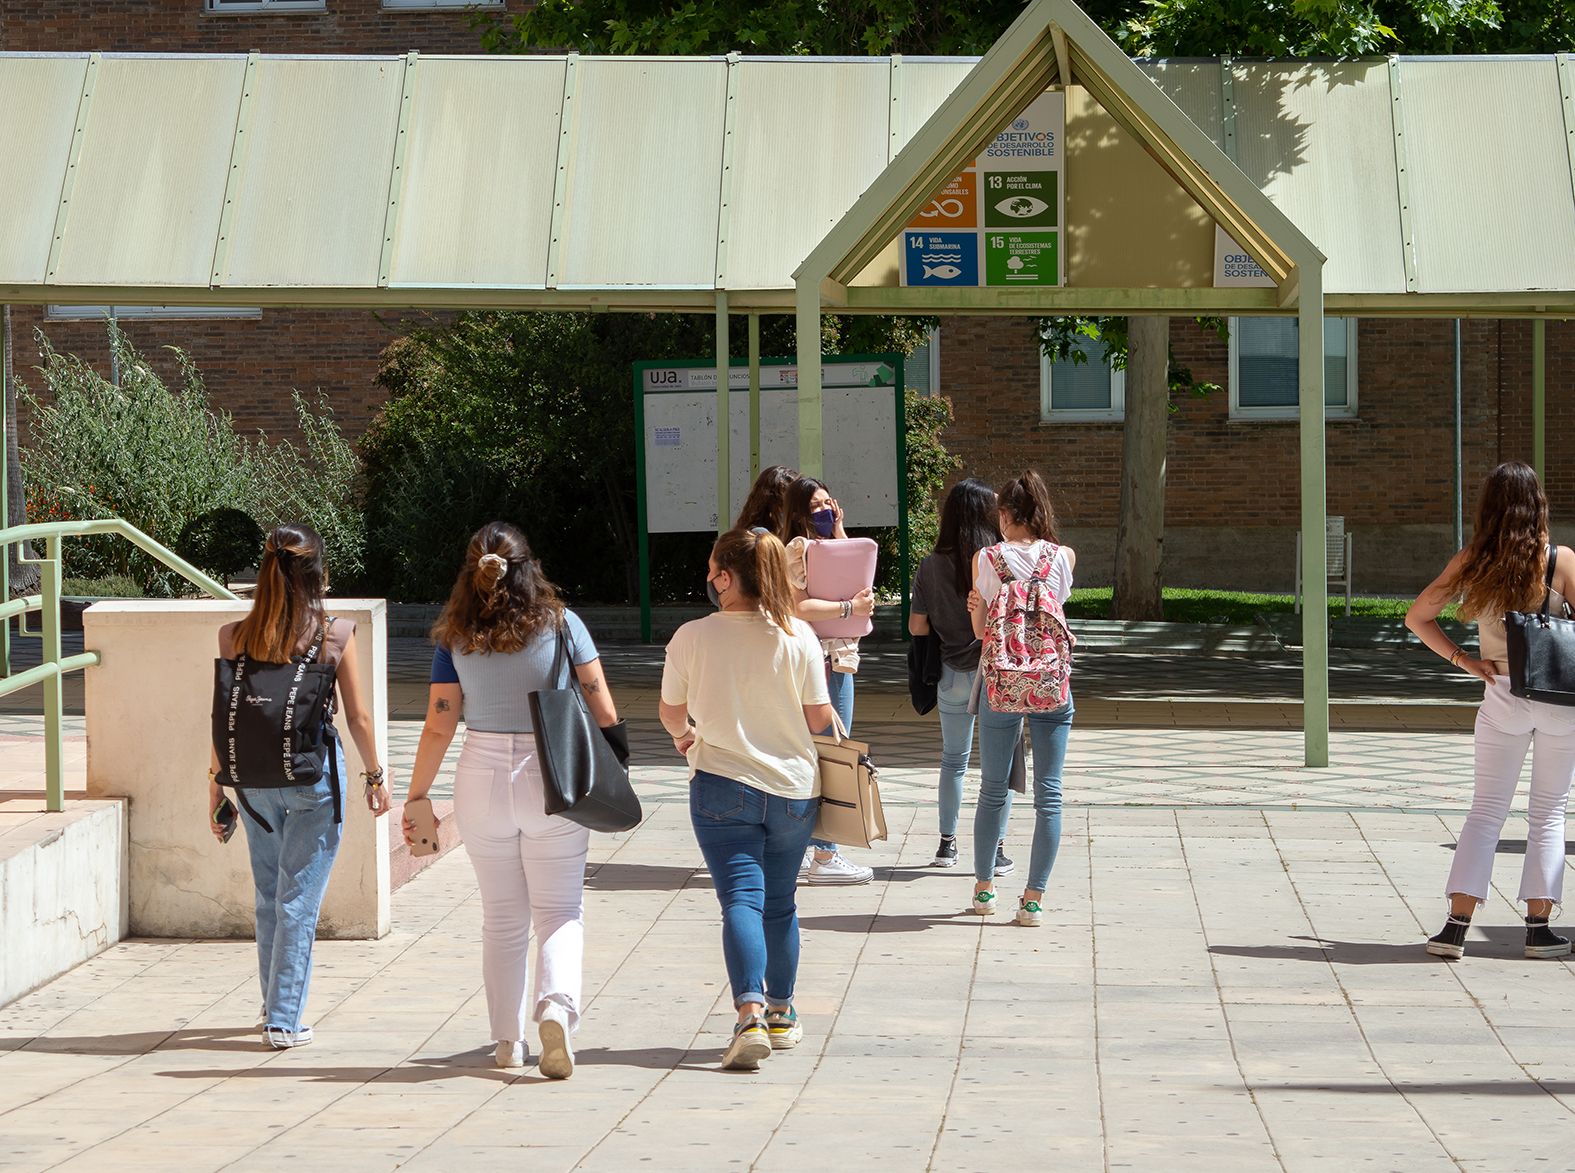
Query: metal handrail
[51, 672]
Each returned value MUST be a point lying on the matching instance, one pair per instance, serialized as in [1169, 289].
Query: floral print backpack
[1027, 655]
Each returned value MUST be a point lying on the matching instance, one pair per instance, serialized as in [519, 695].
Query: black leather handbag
[584, 768]
[1541, 650]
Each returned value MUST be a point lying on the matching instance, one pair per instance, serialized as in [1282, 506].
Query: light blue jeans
[952, 695]
[290, 867]
[998, 734]
[840, 686]
[752, 842]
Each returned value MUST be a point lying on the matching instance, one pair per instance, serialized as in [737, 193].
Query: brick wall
[1390, 470]
[184, 26]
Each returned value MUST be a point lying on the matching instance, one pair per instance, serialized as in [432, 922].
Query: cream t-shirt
[746, 682]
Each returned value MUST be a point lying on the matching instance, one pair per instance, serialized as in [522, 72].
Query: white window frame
[1292, 411]
[97, 313]
[439, 5]
[1116, 412]
[220, 7]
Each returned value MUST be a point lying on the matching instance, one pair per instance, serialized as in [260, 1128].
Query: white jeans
[530, 867]
[1506, 726]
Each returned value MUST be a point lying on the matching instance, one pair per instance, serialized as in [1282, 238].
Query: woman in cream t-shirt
[742, 693]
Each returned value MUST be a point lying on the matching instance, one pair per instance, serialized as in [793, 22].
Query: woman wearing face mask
[810, 513]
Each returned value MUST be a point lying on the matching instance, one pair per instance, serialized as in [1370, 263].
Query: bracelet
[1454, 660]
[847, 608]
[373, 777]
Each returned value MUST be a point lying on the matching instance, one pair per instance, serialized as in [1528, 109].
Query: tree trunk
[1140, 531]
[24, 577]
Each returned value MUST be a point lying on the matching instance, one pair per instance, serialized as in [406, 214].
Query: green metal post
[54, 695]
[724, 420]
[810, 400]
[1315, 552]
[754, 396]
[1539, 397]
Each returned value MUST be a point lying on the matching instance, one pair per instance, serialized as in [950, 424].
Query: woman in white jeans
[497, 642]
[1509, 566]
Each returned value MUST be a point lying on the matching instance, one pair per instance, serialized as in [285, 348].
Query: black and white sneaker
[946, 853]
[1542, 941]
[1451, 939]
[1004, 866]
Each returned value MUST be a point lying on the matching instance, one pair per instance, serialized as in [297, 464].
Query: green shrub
[222, 541]
[159, 456]
[117, 587]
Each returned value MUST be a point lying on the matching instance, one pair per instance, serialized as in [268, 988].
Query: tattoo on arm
[593, 686]
[442, 705]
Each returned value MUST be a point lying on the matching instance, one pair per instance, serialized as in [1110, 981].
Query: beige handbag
[850, 809]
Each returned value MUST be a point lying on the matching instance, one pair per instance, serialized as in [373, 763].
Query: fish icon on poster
[940, 258]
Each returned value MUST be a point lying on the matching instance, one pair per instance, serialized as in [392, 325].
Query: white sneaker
[809, 858]
[557, 1057]
[509, 1054]
[839, 870]
[282, 1040]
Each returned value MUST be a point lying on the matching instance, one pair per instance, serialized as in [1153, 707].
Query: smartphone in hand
[227, 818]
[419, 813]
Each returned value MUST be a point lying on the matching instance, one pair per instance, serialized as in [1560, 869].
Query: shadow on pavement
[641, 877]
[1504, 941]
[1515, 847]
[867, 922]
[1446, 1087]
[140, 1043]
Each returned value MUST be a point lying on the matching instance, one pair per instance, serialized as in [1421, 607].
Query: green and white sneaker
[784, 1029]
[750, 1046]
[1030, 914]
[983, 903]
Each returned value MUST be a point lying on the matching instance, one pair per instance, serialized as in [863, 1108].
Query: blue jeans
[290, 868]
[952, 696]
[998, 734]
[840, 686]
[752, 843]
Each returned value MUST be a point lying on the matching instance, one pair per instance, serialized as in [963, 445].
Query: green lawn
[1238, 608]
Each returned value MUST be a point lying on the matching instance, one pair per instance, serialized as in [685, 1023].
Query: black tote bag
[1541, 650]
[584, 768]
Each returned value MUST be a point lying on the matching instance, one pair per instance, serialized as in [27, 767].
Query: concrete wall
[148, 706]
[62, 893]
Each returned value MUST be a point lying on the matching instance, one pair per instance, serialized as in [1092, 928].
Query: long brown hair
[1027, 502]
[767, 495]
[501, 600]
[287, 609]
[1507, 558]
[759, 563]
[796, 509]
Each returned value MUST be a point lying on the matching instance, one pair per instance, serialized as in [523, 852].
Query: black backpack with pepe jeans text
[273, 724]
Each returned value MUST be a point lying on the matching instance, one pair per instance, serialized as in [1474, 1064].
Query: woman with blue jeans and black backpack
[292, 831]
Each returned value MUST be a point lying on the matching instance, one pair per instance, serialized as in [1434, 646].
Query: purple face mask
[824, 521]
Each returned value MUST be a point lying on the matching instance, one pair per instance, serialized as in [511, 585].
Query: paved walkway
[1230, 976]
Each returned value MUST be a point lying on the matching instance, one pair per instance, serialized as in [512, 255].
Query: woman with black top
[940, 605]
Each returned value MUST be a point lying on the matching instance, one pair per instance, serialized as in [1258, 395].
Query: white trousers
[1506, 727]
[530, 867]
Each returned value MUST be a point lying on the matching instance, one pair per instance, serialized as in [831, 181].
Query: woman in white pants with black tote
[1508, 566]
[497, 642]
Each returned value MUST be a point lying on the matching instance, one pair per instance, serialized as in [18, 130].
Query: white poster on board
[859, 446]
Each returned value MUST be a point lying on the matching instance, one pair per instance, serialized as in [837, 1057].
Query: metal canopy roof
[1433, 185]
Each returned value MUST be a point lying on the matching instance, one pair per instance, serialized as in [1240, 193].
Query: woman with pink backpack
[1025, 668]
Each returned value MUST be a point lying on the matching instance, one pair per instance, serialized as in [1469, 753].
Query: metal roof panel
[1319, 140]
[1489, 164]
[1194, 87]
[311, 193]
[40, 97]
[644, 172]
[149, 188]
[475, 199]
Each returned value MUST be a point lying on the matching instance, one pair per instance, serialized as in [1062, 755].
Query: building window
[265, 5]
[1264, 367]
[1070, 390]
[922, 371]
[94, 313]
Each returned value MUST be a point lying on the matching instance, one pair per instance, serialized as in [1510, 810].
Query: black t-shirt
[935, 596]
